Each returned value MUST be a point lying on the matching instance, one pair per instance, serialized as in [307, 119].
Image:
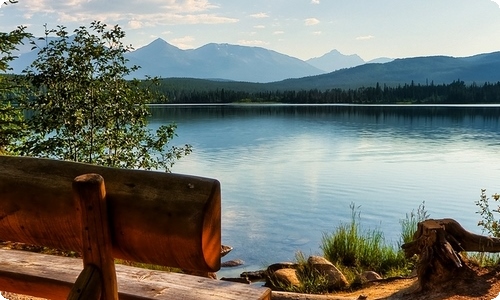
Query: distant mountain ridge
[334, 60]
[217, 61]
[477, 69]
[226, 63]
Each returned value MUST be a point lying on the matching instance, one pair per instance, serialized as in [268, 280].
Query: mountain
[334, 60]
[419, 70]
[380, 60]
[218, 61]
[232, 63]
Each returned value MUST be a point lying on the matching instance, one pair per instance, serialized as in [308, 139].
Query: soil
[478, 283]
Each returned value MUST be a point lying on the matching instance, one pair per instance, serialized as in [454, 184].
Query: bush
[489, 223]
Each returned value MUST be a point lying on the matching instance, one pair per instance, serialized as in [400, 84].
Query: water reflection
[289, 173]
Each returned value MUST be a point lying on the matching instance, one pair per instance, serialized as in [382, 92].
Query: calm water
[289, 173]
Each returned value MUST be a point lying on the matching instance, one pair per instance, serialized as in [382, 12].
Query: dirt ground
[479, 284]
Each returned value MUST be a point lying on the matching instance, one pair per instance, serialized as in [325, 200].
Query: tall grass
[351, 247]
[410, 223]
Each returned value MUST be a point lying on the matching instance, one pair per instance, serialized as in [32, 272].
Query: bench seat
[50, 276]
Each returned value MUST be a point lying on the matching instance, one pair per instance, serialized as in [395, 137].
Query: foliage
[83, 108]
[488, 222]
[10, 1]
[409, 224]
[205, 91]
[351, 247]
[483, 259]
[11, 117]
[147, 266]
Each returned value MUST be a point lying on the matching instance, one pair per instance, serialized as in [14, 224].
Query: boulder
[336, 280]
[282, 265]
[285, 277]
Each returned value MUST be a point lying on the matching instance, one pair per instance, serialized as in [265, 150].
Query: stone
[371, 276]
[285, 277]
[282, 265]
[232, 263]
[336, 280]
[224, 250]
[238, 280]
[254, 275]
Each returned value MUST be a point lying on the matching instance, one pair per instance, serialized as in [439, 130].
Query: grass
[359, 250]
[409, 224]
[147, 266]
[311, 281]
[354, 251]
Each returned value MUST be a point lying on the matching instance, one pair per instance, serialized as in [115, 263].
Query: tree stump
[438, 244]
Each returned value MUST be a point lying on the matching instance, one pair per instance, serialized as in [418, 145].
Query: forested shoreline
[456, 92]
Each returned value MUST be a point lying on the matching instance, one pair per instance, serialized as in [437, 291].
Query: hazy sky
[299, 28]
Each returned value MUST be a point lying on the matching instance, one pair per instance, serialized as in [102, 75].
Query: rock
[371, 276]
[239, 280]
[232, 263]
[336, 280]
[282, 265]
[255, 275]
[285, 277]
[224, 250]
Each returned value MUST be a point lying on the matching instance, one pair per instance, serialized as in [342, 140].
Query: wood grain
[90, 197]
[52, 277]
[155, 217]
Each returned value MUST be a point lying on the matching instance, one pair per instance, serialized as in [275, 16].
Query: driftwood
[438, 244]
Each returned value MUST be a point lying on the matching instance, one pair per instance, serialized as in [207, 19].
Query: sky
[299, 28]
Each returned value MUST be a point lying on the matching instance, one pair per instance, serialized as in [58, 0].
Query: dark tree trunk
[438, 244]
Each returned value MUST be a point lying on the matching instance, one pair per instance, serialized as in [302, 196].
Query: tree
[85, 110]
[11, 117]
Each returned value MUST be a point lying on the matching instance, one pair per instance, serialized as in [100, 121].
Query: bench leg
[90, 196]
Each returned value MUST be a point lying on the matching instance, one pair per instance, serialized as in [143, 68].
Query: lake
[289, 173]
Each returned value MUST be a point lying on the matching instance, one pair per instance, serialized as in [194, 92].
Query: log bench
[106, 213]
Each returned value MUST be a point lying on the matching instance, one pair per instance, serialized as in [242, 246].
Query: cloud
[317, 32]
[134, 13]
[365, 37]
[259, 26]
[134, 24]
[278, 32]
[497, 2]
[314, 1]
[260, 15]
[311, 21]
[252, 43]
[183, 42]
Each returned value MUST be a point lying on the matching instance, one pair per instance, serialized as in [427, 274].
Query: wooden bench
[106, 213]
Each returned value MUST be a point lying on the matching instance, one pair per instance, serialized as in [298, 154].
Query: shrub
[488, 222]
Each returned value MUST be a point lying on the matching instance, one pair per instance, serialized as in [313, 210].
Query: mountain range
[218, 61]
[226, 63]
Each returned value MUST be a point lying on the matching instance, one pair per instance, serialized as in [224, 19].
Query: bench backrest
[154, 217]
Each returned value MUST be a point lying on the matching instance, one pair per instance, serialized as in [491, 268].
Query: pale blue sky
[299, 28]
